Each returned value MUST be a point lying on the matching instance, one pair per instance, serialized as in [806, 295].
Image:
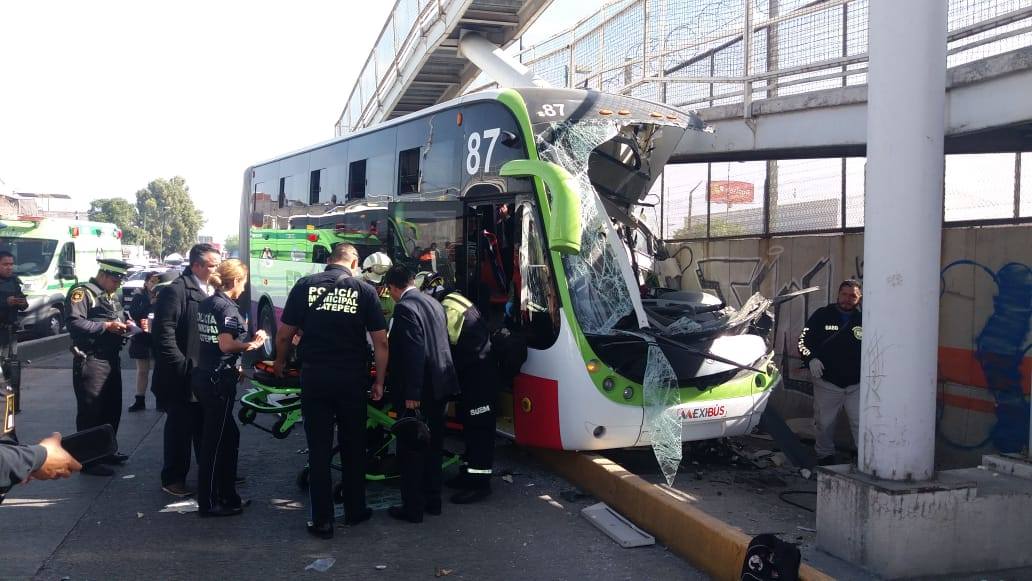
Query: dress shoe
[138, 406]
[471, 495]
[177, 489]
[97, 469]
[398, 512]
[359, 517]
[324, 531]
[114, 459]
[828, 460]
[220, 510]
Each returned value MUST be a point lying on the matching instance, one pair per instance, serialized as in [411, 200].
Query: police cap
[114, 267]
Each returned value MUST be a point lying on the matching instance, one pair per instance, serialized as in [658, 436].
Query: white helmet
[375, 266]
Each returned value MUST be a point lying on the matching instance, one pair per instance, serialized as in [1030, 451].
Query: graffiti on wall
[991, 360]
[1000, 349]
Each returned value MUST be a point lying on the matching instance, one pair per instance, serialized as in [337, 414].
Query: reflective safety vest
[455, 308]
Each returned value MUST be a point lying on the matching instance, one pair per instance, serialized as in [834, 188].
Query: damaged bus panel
[525, 201]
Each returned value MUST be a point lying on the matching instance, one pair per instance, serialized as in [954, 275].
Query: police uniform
[214, 382]
[478, 379]
[334, 310]
[11, 287]
[96, 368]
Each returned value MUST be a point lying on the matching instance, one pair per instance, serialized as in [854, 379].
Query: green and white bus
[525, 201]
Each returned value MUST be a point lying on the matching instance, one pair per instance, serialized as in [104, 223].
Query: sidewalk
[88, 527]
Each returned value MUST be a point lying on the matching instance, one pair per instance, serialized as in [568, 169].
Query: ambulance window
[539, 300]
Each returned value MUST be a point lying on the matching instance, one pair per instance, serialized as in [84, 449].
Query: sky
[99, 98]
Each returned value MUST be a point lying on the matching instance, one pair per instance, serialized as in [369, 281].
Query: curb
[37, 348]
[706, 542]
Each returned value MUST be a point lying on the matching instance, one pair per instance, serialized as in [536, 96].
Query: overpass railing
[703, 53]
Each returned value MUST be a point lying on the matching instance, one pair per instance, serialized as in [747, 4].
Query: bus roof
[531, 94]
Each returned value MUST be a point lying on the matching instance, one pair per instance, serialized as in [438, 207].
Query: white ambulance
[50, 255]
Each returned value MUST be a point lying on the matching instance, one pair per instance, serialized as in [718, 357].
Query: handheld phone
[91, 444]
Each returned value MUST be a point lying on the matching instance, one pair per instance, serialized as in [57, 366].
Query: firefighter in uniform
[334, 311]
[470, 341]
[97, 327]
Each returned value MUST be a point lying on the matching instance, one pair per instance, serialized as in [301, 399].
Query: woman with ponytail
[214, 380]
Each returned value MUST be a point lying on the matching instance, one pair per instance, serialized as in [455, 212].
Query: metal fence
[398, 41]
[702, 53]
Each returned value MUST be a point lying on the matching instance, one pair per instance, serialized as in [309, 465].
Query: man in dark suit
[422, 377]
[176, 345]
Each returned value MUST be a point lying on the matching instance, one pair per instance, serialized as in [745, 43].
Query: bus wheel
[267, 323]
[50, 325]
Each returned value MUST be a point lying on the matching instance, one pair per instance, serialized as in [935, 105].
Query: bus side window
[357, 179]
[539, 300]
[408, 171]
[320, 254]
[426, 237]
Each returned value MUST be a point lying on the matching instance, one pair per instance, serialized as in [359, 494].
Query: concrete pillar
[903, 231]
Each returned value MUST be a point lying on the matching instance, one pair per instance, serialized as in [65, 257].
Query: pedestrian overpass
[775, 78]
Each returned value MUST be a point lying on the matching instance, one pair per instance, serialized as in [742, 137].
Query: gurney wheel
[302, 478]
[246, 415]
[277, 429]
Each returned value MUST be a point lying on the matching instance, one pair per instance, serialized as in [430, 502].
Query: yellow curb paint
[666, 513]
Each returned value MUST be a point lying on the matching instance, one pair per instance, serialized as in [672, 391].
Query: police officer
[334, 311]
[830, 347]
[470, 341]
[221, 330]
[12, 302]
[96, 324]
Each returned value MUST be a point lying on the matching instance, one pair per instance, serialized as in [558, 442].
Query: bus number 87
[473, 150]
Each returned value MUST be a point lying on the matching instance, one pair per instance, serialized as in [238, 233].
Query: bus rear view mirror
[564, 233]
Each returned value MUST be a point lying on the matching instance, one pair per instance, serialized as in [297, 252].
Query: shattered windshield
[603, 291]
[598, 286]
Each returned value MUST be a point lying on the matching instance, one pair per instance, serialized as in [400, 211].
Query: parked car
[134, 283]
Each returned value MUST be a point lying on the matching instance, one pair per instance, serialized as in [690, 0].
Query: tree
[168, 216]
[232, 244]
[121, 213]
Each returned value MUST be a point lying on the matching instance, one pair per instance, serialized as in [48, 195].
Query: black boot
[139, 405]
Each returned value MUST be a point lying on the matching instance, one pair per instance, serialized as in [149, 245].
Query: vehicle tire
[246, 415]
[50, 325]
[267, 323]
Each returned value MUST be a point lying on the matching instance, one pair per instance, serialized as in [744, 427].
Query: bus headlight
[593, 366]
[628, 392]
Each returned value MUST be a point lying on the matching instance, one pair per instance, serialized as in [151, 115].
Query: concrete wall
[986, 312]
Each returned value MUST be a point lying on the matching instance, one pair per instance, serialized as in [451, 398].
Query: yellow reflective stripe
[455, 307]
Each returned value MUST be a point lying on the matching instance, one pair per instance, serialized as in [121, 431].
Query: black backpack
[767, 558]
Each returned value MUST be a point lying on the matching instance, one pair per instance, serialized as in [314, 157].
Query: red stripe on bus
[538, 425]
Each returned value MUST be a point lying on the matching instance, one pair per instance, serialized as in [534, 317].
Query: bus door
[489, 243]
[427, 237]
